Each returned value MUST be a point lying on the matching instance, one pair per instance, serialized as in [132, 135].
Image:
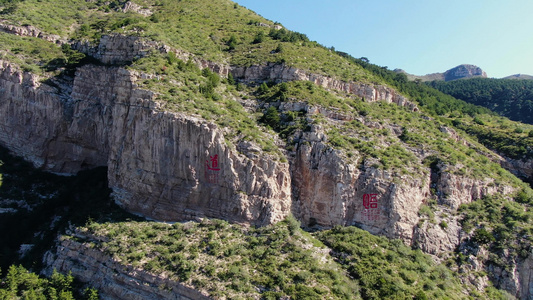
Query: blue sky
[418, 36]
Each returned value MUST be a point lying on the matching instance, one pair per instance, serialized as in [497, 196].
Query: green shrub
[482, 236]
[271, 118]
[443, 224]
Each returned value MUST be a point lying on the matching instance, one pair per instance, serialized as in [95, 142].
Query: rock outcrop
[34, 118]
[130, 6]
[30, 31]
[516, 277]
[113, 279]
[281, 73]
[329, 191]
[464, 71]
[120, 49]
[520, 168]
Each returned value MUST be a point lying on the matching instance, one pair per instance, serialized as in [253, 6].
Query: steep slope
[227, 115]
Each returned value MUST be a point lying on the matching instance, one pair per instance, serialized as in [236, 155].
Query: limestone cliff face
[163, 165]
[118, 49]
[113, 279]
[35, 124]
[29, 30]
[173, 167]
[328, 191]
[455, 190]
[521, 168]
[516, 277]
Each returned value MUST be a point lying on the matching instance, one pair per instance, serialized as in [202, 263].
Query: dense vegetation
[500, 225]
[390, 270]
[277, 261]
[503, 224]
[508, 138]
[508, 97]
[19, 283]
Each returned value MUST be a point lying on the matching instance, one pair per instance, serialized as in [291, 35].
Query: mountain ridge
[463, 71]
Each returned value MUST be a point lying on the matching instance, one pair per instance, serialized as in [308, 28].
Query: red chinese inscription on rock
[212, 169]
[371, 211]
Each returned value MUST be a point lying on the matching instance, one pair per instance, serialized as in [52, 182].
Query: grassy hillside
[228, 33]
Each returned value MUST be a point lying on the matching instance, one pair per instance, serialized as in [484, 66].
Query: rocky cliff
[281, 72]
[160, 164]
[171, 166]
[120, 49]
[464, 71]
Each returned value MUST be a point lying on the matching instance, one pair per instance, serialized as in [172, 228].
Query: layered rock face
[520, 168]
[29, 30]
[173, 167]
[35, 124]
[516, 278]
[118, 49]
[113, 279]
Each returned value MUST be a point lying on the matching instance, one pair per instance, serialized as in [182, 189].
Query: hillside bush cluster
[19, 283]
[280, 260]
[502, 225]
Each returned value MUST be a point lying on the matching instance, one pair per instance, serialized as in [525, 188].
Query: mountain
[519, 76]
[247, 161]
[460, 72]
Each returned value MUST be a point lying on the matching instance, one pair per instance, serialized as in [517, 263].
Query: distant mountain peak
[519, 76]
[464, 71]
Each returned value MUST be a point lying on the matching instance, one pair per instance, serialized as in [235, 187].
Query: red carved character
[214, 163]
[370, 201]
